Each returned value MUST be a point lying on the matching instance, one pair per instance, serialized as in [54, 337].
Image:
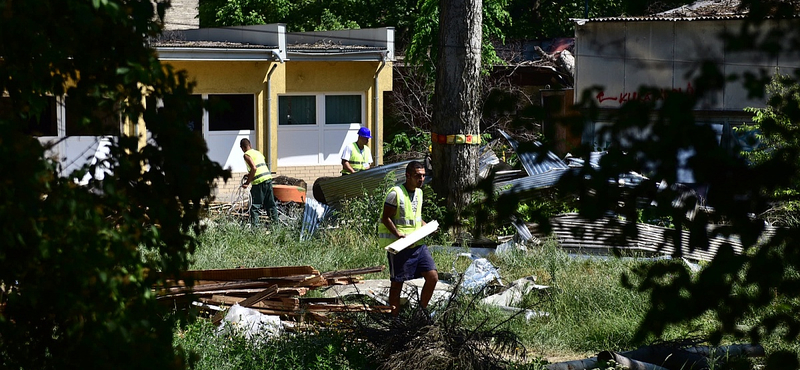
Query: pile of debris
[666, 356]
[274, 291]
[545, 170]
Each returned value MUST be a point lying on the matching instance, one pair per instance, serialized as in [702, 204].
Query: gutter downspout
[269, 107]
[376, 99]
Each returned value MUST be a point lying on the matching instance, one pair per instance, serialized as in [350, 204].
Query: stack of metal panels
[602, 236]
[546, 171]
[531, 161]
[336, 189]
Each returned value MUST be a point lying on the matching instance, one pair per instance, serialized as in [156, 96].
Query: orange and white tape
[455, 139]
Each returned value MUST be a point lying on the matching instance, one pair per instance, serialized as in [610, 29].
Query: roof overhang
[216, 54]
[349, 56]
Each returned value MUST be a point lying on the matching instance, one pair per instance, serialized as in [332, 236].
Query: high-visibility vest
[262, 171]
[405, 219]
[357, 160]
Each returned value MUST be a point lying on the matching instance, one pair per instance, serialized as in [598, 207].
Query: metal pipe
[378, 147]
[269, 108]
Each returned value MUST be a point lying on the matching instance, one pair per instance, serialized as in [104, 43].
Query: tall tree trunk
[456, 99]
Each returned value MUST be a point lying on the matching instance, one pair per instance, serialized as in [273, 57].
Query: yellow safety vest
[357, 160]
[405, 219]
[262, 171]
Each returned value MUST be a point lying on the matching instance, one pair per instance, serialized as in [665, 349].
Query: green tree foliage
[312, 15]
[75, 286]
[762, 281]
[539, 19]
[775, 134]
[303, 15]
[423, 49]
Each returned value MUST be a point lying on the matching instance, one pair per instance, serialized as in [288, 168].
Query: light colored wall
[182, 15]
[229, 77]
[309, 174]
[622, 56]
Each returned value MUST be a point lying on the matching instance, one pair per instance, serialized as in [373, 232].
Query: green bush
[402, 143]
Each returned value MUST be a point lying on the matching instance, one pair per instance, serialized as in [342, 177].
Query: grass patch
[589, 309]
[322, 350]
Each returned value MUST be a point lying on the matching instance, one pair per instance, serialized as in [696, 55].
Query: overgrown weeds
[454, 334]
[585, 309]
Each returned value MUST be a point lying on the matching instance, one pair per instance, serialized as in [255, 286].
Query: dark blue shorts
[410, 263]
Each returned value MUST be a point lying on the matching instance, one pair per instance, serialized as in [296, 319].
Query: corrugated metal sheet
[335, 189]
[594, 160]
[603, 235]
[662, 19]
[550, 178]
[313, 214]
[530, 183]
[702, 10]
[531, 161]
[487, 160]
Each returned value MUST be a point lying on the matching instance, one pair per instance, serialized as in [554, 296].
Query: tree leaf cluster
[774, 134]
[75, 286]
[311, 15]
[647, 137]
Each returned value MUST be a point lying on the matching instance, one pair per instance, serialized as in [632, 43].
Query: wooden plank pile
[270, 290]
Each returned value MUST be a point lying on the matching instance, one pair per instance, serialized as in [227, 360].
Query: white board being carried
[412, 238]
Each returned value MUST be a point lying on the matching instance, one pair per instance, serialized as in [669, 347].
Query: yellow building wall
[231, 77]
[332, 76]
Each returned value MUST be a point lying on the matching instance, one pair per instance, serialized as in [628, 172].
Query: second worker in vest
[260, 177]
[402, 215]
[356, 156]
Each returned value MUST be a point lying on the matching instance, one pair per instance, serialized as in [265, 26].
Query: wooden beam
[258, 297]
[351, 272]
[249, 273]
[412, 238]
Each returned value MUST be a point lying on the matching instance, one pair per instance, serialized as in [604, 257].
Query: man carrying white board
[402, 214]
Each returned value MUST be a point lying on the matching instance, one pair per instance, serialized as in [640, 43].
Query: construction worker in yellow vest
[402, 215]
[356, 156]
[260, 177]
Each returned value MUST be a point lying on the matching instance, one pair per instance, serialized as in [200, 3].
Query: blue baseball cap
[364, 132]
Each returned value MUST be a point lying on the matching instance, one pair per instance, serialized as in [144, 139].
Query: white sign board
[412, 238]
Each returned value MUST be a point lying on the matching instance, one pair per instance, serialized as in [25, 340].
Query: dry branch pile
[270, 290]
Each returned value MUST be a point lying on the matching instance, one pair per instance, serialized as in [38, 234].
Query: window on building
[342, 109]
[45, 124]
[297, 110]
[231, 112]
[195, 122]
[196, 116]
[90, 117]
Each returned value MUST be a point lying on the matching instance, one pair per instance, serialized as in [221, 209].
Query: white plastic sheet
[479, 273]
[250, 323]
